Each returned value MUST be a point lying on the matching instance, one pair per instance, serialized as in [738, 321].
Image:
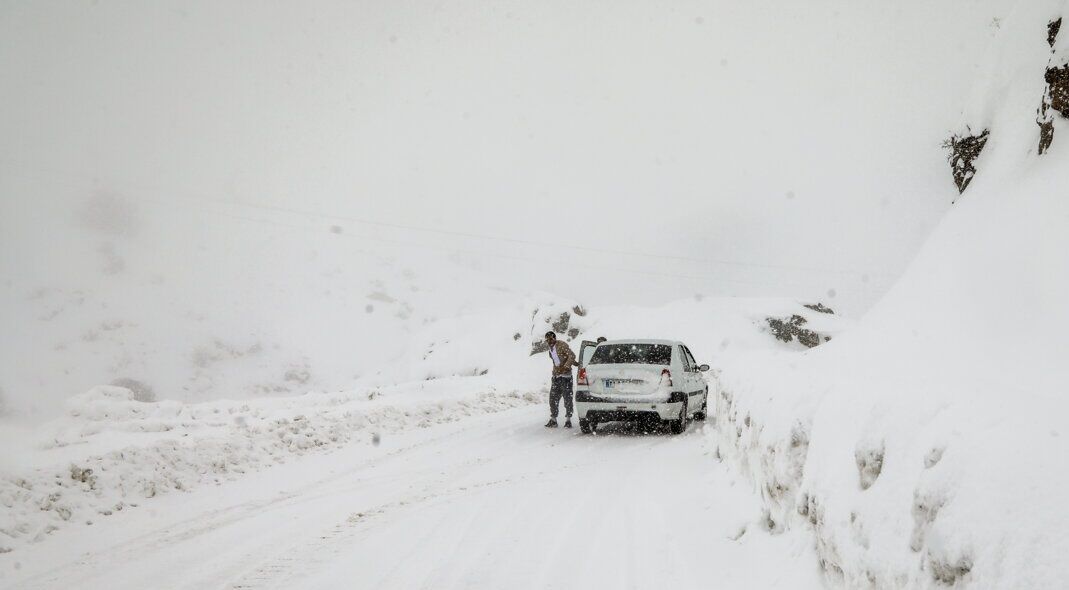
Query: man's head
[601, 339]
[551, 338]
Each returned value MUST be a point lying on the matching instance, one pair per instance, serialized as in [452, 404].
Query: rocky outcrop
[790, 329]
[964, 150]
[1055, 93]
[1058, 88]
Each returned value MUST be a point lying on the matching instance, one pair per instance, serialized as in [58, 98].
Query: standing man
[561, 384]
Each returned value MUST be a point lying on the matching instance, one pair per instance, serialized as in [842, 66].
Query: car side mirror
[703, 368]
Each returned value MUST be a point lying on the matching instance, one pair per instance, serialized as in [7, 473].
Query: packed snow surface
[488, 502]
[113, 450]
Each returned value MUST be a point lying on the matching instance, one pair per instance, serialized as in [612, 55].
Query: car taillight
[582, 377]
[666, 376]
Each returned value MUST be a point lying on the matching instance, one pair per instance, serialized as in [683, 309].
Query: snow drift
[927, 446]
[111, 452]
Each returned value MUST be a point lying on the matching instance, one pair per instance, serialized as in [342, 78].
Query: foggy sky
[730, 139]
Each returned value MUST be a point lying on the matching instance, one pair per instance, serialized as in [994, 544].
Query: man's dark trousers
[561, 386]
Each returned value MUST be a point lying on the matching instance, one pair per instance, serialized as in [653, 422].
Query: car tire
[679, 425]
[704, 412]
[586, 426]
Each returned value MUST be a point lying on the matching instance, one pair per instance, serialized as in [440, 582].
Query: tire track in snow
[277, 570]
[99, 563]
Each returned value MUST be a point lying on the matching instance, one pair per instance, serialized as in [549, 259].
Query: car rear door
[586, 350]
[697, 380]
[686, 381]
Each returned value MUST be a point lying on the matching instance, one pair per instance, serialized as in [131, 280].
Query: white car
[647, 380]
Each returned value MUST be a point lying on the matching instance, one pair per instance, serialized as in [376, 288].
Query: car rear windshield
[635, 354]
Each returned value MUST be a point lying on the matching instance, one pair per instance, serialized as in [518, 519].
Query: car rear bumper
[609, 411]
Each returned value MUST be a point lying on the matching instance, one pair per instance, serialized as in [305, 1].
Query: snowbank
[111, 452]
[927, 446]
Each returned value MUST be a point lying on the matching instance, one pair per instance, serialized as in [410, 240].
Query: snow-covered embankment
[927, 447]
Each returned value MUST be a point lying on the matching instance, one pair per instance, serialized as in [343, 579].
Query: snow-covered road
[491, 502]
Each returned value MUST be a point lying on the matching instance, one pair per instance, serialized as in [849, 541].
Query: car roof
[642, 341]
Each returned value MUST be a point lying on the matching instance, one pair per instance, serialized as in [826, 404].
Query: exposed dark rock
[819, 307]
[1055, 93]
[964, 149]
[1046, 132]
[789, 329]
[561, 325]
[538, 346]
[1058, 87]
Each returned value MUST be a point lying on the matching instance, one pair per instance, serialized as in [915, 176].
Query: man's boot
[568, 423]
[552, 423]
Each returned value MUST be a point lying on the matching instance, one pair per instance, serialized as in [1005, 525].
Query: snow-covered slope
[927, 446]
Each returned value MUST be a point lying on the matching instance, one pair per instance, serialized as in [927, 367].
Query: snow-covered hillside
[927, 446]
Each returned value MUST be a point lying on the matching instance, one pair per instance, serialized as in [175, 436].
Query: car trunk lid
[632, 380]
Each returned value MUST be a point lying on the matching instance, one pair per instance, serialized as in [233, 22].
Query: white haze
[224, 158]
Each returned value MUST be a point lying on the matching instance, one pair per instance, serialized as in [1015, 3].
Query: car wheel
[702, 413]
[586, 426]
[679, 425]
